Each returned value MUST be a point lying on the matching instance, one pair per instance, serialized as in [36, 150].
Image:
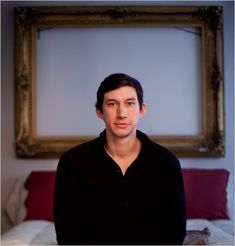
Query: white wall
[12, 167]
[91, 54]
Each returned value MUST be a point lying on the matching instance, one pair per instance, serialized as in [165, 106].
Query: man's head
[115, 81]
[120, 104]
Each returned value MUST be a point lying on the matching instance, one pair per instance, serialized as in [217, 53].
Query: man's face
[121, 111]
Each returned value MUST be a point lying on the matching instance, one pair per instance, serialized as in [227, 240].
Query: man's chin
[123, 133]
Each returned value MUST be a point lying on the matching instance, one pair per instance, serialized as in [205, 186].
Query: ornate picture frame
[210, 21]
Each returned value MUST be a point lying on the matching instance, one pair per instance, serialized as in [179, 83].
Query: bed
[209, 196]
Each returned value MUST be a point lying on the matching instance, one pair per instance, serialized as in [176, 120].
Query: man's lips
[121, 125]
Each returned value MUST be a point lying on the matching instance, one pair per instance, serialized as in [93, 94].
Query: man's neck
[121, 147]
[123, 150]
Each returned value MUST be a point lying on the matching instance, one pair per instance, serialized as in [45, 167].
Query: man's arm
[178, 221]
[67, 206]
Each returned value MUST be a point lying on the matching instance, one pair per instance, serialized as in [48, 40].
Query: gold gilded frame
[209, 19]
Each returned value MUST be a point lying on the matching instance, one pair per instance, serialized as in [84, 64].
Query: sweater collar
[146, 142]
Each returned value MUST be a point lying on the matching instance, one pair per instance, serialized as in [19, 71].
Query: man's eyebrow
[115, 100]
[131, 99]
[110, 100]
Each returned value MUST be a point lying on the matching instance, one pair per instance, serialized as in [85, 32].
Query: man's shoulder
[157, 151]
[163, 151]
[163, 155]
[164, 161]
[81, 150]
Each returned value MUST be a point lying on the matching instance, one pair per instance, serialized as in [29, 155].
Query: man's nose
[122, 111]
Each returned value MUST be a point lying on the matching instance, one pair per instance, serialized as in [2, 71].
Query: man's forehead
[125, 92]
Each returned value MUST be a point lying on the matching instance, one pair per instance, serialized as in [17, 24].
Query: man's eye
[111, 104]
[131, 103]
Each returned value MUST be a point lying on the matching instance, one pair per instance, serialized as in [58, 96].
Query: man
[120, 188]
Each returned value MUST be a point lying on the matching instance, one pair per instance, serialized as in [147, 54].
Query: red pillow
[206, 195]
[39, 202]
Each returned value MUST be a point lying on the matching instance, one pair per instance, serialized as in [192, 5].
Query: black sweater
[95, 204]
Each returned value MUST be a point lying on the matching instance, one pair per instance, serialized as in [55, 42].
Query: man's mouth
[121, 125]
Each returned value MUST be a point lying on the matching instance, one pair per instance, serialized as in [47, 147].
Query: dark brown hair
[115, 81]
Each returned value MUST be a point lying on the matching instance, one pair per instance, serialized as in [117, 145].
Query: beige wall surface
[13, 167]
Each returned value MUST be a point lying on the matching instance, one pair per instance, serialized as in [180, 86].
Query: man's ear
[99, 113]
[143, 110]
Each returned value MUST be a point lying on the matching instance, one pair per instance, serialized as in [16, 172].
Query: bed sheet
[219, 233]
[39, 232]
[30, 233]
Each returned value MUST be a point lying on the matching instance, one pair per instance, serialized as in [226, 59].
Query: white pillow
[230, 197]
[14, 207]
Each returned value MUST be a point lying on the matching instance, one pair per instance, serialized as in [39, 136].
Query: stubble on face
[121, 112]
